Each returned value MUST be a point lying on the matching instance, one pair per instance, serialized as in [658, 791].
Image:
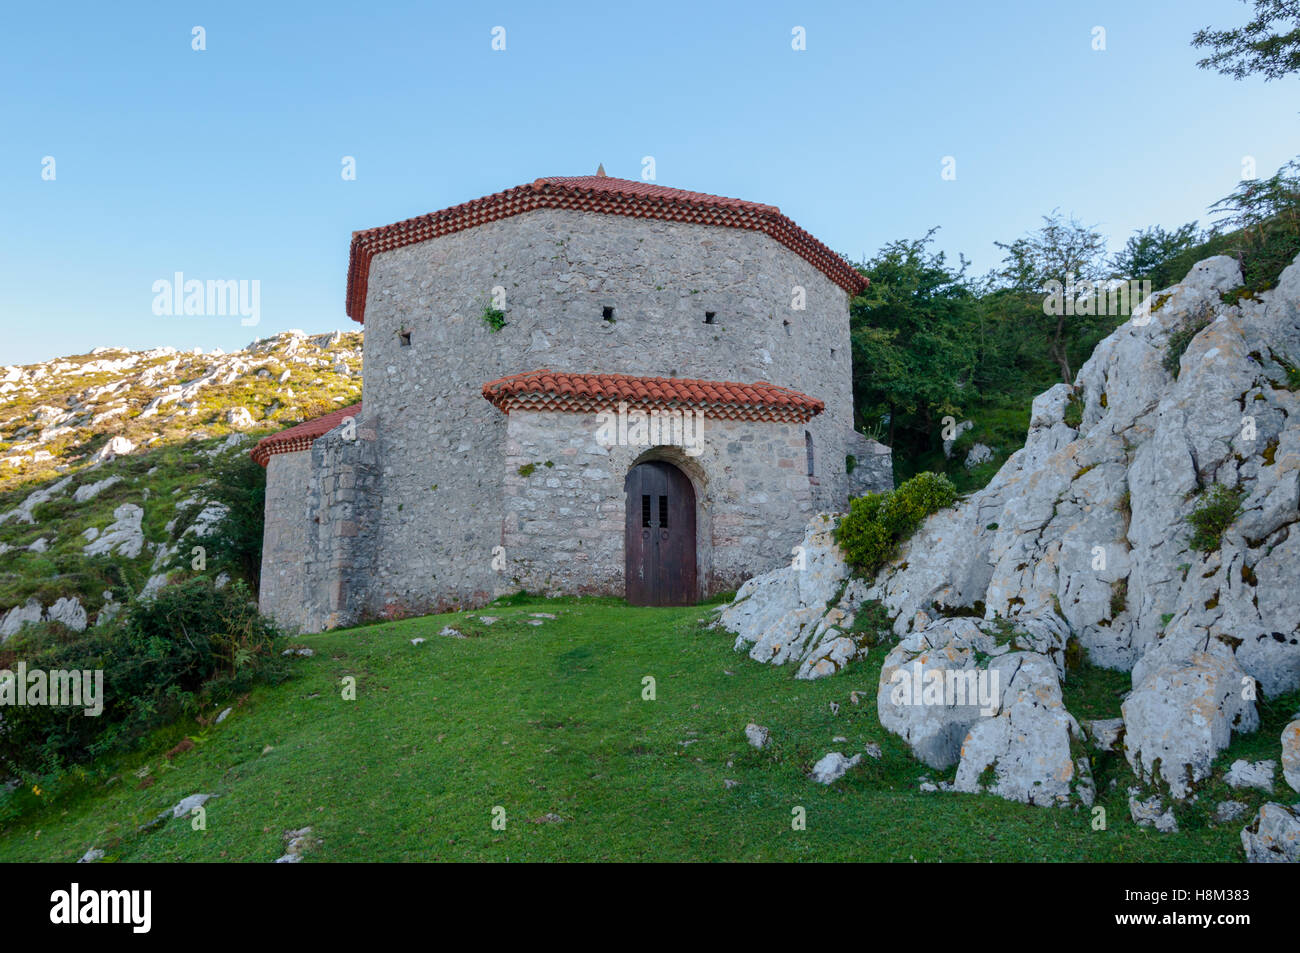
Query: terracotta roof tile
[587, 393]
[592, 193]
[302, 436]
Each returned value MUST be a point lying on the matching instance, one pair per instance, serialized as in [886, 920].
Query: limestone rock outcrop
[1084, 533]
[802, 612]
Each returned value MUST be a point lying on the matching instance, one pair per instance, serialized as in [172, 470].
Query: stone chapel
[581, 385]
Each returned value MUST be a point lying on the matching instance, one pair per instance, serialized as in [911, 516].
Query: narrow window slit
[405, 338]
[663, 512]
[607, 313]
[709, 316]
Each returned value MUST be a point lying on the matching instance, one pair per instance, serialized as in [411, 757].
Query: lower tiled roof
[302, 436]
[588, 393]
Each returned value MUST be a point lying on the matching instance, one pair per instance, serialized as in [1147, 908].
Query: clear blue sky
[226, 163]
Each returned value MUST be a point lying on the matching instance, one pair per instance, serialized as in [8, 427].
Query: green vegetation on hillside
[933, 345]
[549, 723]
[878, 522]
[190, 644]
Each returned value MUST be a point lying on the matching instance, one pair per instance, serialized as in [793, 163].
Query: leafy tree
[1269, 44]
[1149, 248]
[909, 332]
[1263, 216]
[1065, 253]
[235, 544]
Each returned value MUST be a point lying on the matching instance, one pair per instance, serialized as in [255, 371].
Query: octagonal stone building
[583, 385]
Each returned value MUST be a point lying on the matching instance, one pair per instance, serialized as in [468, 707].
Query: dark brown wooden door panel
[660, 536]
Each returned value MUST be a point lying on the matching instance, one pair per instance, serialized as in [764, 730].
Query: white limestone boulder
[1291, 754]
[1032, 749]
[938, 683]
[833, 766]
[782, 616]
[1273, 837]
[124, 536]
[1182, 714]
[1251, 774]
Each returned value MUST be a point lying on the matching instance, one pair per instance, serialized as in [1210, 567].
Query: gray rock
[240, 417]
[756, 735]
[1106, 733]
[782, 616]
[948, 652]
[185, 805]
[91, 856]
[1291, 754]
[1247, 774]
[1182, 715]
[1151, 812]
[297, 843]
[19, 616]
[89, 491]
[125, 535]
[116, 447]
[68, 611]
[832, 767]
[1027, 744]
[223, 716]
[1273, 837]
[978, 453]
[1225, 812]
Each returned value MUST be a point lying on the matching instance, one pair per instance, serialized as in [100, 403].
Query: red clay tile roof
[593, 193]
[588, 393]
[302, 436]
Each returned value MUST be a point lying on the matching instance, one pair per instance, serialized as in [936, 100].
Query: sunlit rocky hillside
[106, 459]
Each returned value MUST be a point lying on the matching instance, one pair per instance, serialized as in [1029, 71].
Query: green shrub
[1073, 416]
[1216, 511]
[163, 658]
[876, 523]
[494, 318]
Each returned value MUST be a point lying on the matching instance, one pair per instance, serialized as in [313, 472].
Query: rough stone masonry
[429, 496]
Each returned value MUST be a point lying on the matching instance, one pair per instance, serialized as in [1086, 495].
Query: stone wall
[873, 470]
[283, 587]
[564, 502]
[320, 531]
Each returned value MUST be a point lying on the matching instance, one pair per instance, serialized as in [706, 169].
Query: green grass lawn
[550, 720]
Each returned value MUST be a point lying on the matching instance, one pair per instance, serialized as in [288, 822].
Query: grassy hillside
[547, 721]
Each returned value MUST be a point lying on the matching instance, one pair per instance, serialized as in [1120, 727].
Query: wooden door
[660, 536]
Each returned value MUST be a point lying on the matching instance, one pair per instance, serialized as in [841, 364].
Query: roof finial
[600, 170]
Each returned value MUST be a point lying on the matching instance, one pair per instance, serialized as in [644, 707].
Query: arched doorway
[659, 536]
